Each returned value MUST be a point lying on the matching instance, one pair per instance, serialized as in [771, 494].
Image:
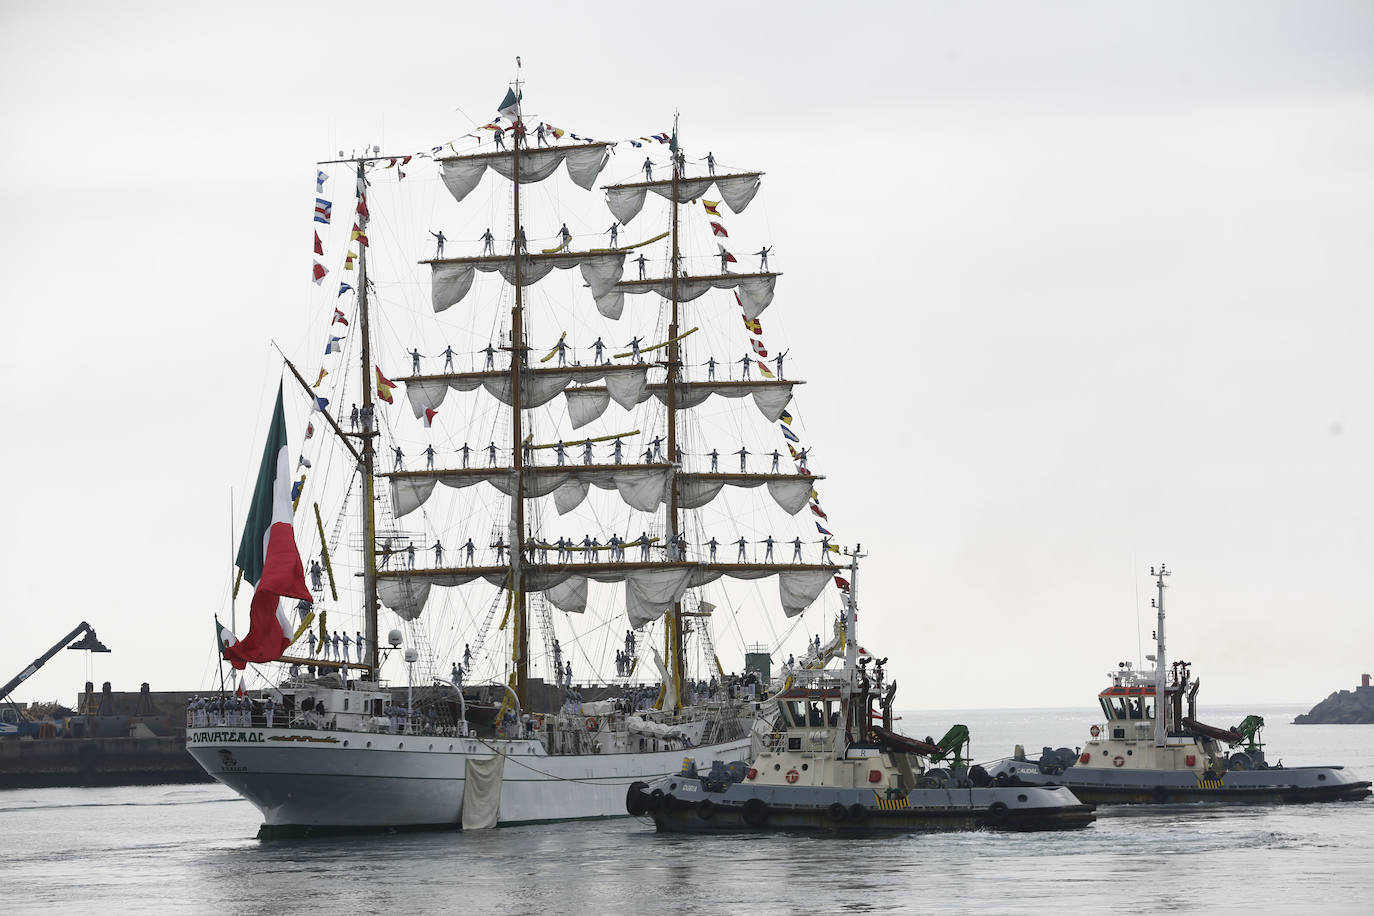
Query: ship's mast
[520, 638]
[1161, 672]
[368, 437]
[673, 628]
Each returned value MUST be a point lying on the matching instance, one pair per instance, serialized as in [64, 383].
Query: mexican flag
[267, 553]
[510, 105]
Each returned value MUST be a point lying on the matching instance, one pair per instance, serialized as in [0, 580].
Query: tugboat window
[814, 713]
[795, 712]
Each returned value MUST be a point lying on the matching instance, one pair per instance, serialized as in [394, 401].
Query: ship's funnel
[89, 643]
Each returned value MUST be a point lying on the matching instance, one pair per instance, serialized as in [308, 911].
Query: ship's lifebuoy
[793, 776]
[592, 724]
[1094, 731]
[1118, 761]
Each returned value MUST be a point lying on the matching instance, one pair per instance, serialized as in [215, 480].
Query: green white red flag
[267, 553]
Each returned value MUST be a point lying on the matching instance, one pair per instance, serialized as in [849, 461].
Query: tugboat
[1140, 756]
[826, 767]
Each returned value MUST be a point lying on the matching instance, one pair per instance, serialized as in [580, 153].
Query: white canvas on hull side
[353, 780]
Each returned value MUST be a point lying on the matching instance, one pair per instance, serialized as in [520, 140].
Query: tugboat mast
[1161, 668]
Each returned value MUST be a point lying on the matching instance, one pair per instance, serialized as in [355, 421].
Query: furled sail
[586, 404]
[463, 173]
[650, 588]
[625, 384]
[755, 291]
[626, 200]
[641, 486]
[451, 278]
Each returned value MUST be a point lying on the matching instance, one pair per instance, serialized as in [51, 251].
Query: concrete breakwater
[109, 739]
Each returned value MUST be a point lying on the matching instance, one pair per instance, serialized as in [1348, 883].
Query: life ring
[1118, 761]
[592, 724]
[793, 776]
[1094, 731]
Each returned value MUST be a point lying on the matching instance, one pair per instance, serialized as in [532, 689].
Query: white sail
[463, 173]
[626, 200]
[451, 279]
[755, 291]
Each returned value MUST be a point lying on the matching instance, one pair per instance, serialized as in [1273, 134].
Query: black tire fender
[706, 809]
[635, 802]
[837, 813]
[755, 812]
[857, 811]
[656, 800]
[997, 811]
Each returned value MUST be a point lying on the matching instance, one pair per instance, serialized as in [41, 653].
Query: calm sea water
[180, 849]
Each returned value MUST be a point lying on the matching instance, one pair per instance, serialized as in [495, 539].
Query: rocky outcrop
[1344, 707]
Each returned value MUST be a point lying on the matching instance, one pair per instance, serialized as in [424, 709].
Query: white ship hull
[305, 779]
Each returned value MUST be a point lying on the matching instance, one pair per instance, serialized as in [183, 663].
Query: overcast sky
[1078, 288]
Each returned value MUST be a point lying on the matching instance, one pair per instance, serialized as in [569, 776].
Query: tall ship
[504, 614]
[1152, 749]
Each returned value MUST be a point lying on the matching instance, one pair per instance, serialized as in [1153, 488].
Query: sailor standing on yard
[768, 551]
[316, 576]
[744, 362]
[359, 644]
[464, 451]
[614, 233]
[777, 456]
[796, 550]
[763, 258]
[491, 455]
[429, 457]
[347, 644]
[565, 235]
[310, 641]
[715, 460]
[641, 261]
[619, 449]
[648, 169]
[448, 359]
[488, 243]
[740, 544]
[400, 458]
[438, 553]
[587, 451]
[743, 454]
[713, 544]
[438, 242]
[415, 360]
[711, 368]
[634, 349]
